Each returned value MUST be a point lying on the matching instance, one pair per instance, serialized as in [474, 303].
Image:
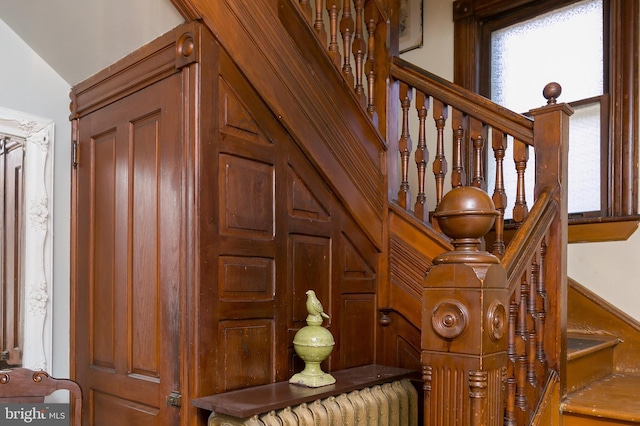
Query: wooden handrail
[471, 103]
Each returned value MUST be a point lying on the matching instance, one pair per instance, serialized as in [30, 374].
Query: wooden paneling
[246, 350]
[342, 143]
[102, 318]
[358, 327]
[120, 410]
[241, 215]
[310, 263]
[200, 224]
[246, 279]
[303, 204]
[400, 344]
[282, 232]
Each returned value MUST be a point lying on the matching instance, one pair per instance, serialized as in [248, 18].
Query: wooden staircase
[603, 375]
[361, 142]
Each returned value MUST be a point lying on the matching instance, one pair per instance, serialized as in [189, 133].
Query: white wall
[29, 85]
[612, 269]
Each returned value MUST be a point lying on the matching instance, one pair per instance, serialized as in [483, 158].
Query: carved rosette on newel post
[465, 318]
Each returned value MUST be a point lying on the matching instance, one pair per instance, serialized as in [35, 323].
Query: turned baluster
[404, 146]
[359, 50]
[371, 19]
[440, 112]
[333, 9]
[540, 321]
[510, 409]
[531, 359]
[420, 209]
[459, 122]
[521, 327]
[542, 292]
[511, 330]
[318, 24]
[499, 145]
[307, 10]
[346, 29]
[477, 136]
[520, 157]
[533, 288]
[521, 382]
[510, 417]
[541, 287]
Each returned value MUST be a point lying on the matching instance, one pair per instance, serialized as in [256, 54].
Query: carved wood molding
[162, 57]
[38, 242]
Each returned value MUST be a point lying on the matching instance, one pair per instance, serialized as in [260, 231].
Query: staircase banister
[528, 237]
[301, 33]
[483, 109]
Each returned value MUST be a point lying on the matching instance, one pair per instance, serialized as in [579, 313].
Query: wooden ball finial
[551, 92]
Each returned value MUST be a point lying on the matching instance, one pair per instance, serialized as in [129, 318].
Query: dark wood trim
[466, 53]
[161, 58]
[599, 229]
[624, 106]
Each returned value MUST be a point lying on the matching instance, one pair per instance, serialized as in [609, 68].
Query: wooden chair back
[22, 385]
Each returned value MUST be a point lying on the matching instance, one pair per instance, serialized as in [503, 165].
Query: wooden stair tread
[615, 397]
[579, 345]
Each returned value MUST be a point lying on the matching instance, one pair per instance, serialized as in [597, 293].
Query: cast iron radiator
[387, 404]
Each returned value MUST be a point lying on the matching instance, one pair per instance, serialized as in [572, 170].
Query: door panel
[129, 242]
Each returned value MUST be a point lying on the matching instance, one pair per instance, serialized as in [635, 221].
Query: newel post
[551, 140]
[465, 312]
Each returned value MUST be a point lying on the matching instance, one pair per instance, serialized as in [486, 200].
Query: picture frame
[410, 33]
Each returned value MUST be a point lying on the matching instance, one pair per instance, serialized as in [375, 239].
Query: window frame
[474, 21]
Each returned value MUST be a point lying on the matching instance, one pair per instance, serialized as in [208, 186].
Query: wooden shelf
[246, 402]
[602, 229]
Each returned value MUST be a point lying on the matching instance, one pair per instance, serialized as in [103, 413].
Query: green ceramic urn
[313, 344]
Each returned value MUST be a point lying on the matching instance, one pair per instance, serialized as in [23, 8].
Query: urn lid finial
[466, 214]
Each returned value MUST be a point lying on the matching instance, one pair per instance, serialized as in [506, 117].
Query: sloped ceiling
[78, 38]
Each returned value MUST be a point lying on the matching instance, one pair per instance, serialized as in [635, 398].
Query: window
[508, 50]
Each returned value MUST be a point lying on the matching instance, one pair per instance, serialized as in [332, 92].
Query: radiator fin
[390, 404]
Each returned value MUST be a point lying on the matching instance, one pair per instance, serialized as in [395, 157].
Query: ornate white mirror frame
[38, 242]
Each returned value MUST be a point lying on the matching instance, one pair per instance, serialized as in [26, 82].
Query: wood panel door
[129, 257]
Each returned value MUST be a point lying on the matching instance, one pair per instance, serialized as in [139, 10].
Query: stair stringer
[412, 247]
